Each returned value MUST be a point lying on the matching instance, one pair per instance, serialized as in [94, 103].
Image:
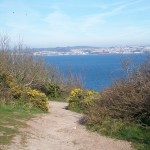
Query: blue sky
[51, 23]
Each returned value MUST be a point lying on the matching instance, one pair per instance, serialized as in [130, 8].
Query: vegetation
[128, 100]
[139, 136]
[16, 83]
[80, 99]
[13, 117]
[22, 79]
[26, 84]
[122, 111]
[29, 79]
[60, 89]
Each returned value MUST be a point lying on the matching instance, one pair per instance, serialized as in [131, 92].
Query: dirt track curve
[60, 130]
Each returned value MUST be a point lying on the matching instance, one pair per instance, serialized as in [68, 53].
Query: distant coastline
[42, 54]
[85, 50]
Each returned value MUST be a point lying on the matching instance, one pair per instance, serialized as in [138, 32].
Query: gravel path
[60, 130]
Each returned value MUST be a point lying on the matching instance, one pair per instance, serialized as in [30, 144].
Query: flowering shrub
[80, 99]
[77, 94]
[9, 89]
[36, 98]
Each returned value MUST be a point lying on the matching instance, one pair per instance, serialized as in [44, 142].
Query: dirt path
[60, 130]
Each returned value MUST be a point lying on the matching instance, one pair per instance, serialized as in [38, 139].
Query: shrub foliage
[27, 78]
[80, 99]
[22, 77]
[11, 91]
[127, 100]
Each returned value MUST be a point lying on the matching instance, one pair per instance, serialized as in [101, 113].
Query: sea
[97, 72]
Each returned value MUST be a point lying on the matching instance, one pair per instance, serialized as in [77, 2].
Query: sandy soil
[60, 130]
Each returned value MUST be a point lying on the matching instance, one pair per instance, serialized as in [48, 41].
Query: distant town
[87, 50]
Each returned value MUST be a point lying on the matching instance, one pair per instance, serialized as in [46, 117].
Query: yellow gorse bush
[14, 90]
[34, 93]
[81, 98]
[76, 92]
[85, 93]
[36, 98]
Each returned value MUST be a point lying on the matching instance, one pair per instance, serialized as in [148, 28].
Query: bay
[97, 71]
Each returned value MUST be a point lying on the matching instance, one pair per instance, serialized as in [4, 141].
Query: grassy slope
[140, 137]
[12, 118]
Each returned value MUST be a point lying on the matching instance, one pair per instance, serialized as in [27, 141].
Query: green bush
[53, 90]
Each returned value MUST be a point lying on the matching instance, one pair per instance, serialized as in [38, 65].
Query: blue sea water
[97, 71]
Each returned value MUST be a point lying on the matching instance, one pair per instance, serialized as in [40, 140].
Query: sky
[55, 23]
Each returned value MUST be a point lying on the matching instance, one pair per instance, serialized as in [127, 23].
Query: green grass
[13, 117]
[139, 136]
